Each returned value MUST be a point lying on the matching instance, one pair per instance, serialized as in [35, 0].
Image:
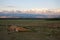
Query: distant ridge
[29, 18]
[39, 13]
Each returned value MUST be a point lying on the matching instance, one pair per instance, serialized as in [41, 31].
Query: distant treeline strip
[29, 18]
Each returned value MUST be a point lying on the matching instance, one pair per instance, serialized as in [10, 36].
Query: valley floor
[41, 30]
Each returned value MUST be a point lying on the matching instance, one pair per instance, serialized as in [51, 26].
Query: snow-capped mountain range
[31, 13]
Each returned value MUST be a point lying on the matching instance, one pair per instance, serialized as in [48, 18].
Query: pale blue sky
[29, 4]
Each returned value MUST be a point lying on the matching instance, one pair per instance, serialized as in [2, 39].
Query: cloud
[10, 6]
[3, 16]
[8, 17]
[34, 11]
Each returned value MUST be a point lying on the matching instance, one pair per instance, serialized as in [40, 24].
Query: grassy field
[41, 30]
